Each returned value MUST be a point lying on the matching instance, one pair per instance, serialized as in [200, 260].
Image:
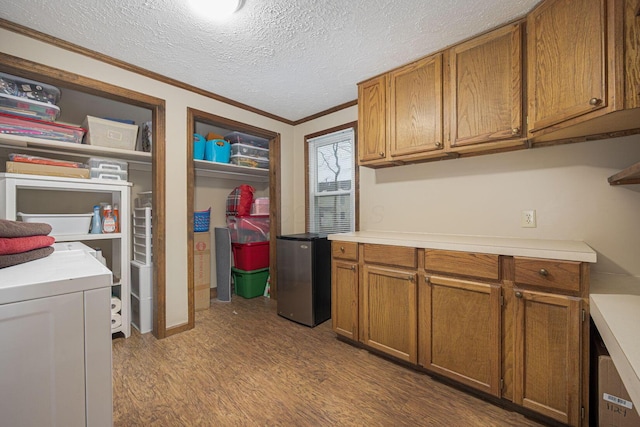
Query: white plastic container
[142, 314]
[61, 224]
[109, 133]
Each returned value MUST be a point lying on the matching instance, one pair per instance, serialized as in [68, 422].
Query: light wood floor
[243, 365]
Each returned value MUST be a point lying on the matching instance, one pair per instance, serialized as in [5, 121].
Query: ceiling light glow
[215, 9]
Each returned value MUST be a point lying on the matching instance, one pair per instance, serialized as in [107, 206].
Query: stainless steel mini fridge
[304, 278]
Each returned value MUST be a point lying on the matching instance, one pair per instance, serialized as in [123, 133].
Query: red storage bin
[250, 256]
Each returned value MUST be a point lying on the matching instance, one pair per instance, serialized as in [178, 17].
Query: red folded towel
[17, 245]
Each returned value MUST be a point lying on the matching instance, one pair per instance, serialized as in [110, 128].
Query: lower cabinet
[459, 324]
[547, 362]
[389, 311]
[344, 299]
[511, 327]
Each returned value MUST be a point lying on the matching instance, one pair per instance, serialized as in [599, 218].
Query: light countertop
[615, 310]
[537, 248]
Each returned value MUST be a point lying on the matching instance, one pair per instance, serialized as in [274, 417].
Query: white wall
[484, 195]
[177, 101]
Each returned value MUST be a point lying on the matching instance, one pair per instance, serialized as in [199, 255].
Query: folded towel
[16, 245]
[10, 228]
[15, 259]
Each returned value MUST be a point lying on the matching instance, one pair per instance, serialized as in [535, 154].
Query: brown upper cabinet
[415, 108]
[582, 79]
[372, 122]
[486, 91]
[583, 74]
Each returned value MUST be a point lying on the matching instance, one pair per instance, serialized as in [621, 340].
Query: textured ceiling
[290, 58]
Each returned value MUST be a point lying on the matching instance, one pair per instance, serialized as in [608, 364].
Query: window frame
[356, 172]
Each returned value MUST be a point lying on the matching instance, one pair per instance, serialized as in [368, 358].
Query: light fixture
[215, 9]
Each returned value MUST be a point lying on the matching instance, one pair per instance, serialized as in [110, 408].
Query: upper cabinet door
[486, 88]
[415, 107]
[372, 120]
[567, 71]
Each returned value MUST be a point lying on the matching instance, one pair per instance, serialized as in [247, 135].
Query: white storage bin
[108, 174]
[109, 133]
[141, 280]
[61, 223]
[142, 246]
[142, 314]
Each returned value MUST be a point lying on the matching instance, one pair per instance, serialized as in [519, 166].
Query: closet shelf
[630, 175]
[138, 160]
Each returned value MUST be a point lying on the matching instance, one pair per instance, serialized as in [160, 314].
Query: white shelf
[78, 237]
[50, 146]
[139, 160]
[118, 192]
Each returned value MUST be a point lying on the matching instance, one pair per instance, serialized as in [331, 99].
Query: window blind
[332, 182]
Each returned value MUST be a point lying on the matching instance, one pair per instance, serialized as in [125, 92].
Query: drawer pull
[515, 131]
[342, 249]
[594, 101]
[353, 268]
[543, 272]
[518, 294]
[381, 154]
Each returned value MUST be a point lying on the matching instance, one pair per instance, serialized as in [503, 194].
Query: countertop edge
[535, 248]
[616, 336]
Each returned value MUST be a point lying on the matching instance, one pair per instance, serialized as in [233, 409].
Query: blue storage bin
[217, 150]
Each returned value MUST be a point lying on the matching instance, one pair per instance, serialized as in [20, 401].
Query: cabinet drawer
[547, 273]
[344, 250]
[484, 266]
[399, 256]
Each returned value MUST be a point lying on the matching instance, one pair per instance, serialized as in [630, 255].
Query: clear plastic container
[243, 138]
[248, 150]
[29, 89]
[23, 107]
[33, 128]
[252, 162]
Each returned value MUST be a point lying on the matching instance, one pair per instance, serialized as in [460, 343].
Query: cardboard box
[36, 169]
[202, 269]
[615, 408]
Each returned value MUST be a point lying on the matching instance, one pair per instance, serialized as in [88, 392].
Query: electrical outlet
[528, 219]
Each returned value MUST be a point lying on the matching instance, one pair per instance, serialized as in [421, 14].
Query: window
[331, 192]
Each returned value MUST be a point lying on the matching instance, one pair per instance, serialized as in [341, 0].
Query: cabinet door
[415, 107]
[567, 60]
[486, 88]
[547, 371]
[372, 120]
[389, 311]
[460, 331]
[344, 298]
[42, 375]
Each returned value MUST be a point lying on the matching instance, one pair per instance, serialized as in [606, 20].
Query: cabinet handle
[426, 278]
[342, 249]
[595, 101]
[518, 294]
[438, 144]
[515, 131]
[543, 272]
[381, 154]
[353, 268]
[411, 278]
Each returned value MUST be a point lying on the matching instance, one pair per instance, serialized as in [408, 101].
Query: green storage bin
[250, 284]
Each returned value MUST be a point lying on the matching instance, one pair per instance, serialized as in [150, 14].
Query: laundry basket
[201, 220]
